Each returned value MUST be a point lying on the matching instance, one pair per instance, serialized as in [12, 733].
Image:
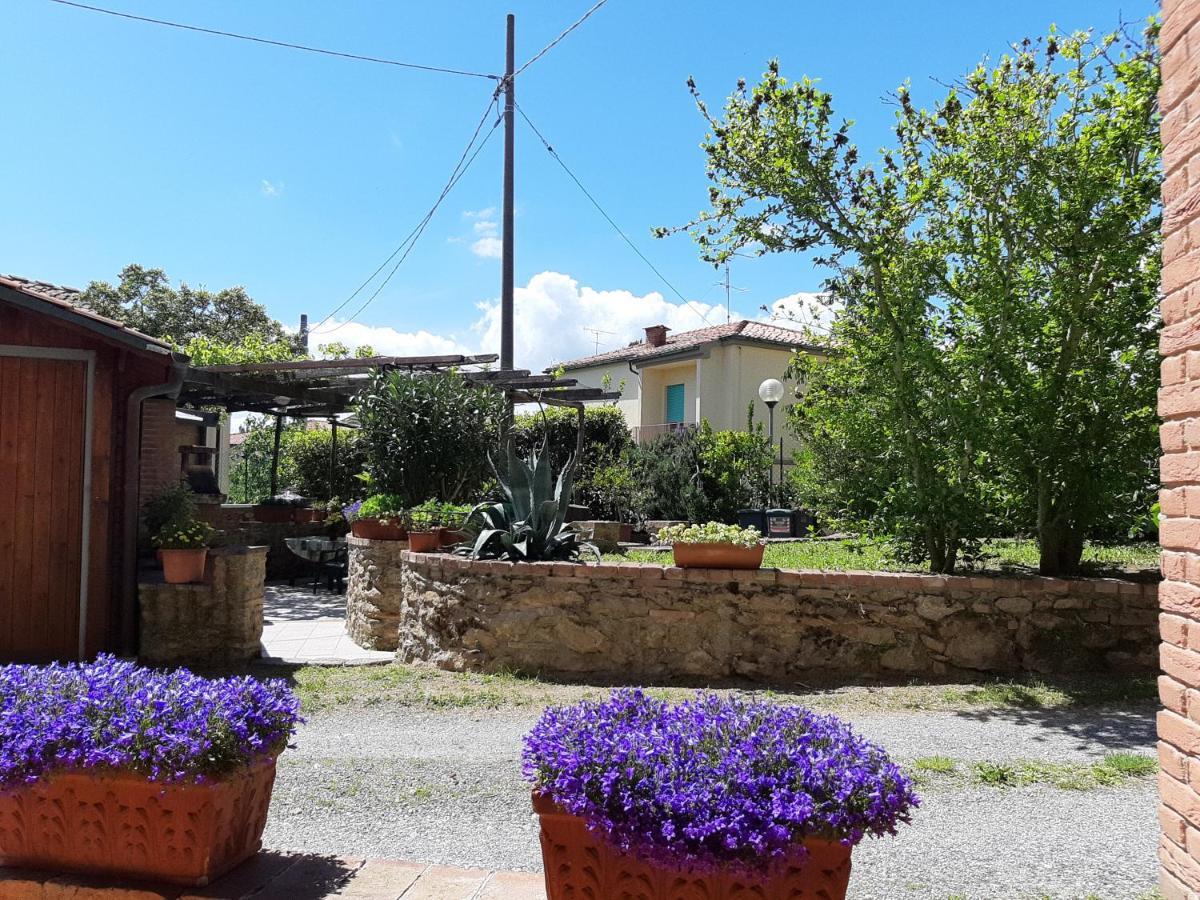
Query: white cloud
[488, 248]
[270, 189]
[553, 311]
[485, 227]
[385, 340]
[488, 212]
[810, 309]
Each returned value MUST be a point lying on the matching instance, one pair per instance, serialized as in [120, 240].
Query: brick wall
[1179, 405]
[160, 448]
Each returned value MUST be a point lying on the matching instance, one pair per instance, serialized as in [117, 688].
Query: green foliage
[251, 348]
[250, 461]
[338, 350]
[530, 523]
[602, 479]
[172, 522]
[710, 533]
[427, 436]
[145, 300]
[993, 360]
[308, 453]
[703, 474]
[385, 507]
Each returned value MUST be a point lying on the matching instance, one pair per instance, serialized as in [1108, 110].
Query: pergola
[326, 388]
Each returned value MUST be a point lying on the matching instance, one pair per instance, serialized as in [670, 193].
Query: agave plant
[530, 524]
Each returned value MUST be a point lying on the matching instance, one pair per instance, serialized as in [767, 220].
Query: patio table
[327, 555]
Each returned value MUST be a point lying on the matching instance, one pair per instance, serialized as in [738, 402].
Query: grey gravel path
[445, 787]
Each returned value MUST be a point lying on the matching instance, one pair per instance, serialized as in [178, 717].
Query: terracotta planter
[424, 541]
[274, 514]
[717, 556]
[452, 536]
[118, 823]
[183, 566]
[306, 516]
[580, 863]
[374, 530]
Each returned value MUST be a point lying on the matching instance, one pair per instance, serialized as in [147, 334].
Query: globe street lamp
[771, 392]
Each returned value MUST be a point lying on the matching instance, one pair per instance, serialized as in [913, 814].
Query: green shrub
[309, 464]
[383, 507]
[427, 436]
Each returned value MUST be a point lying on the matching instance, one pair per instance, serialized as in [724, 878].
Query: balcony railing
[644, 434]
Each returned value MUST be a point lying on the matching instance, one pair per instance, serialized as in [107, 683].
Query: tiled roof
[744, 330]
[67, 298]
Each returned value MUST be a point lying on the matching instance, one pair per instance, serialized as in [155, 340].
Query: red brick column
[1179, 405]
[160, 448]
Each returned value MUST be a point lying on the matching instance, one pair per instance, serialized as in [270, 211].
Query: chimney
[656, 335]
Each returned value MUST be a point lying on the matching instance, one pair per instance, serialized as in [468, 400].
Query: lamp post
[771, 392]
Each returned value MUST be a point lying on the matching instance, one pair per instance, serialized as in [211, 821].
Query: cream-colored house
[669, 382]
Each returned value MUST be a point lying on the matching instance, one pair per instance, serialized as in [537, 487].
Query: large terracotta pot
[448, 537]
[119, 823]
[580, 863]
[424, 541]
[374, 530]
[306, 515]
[183, 566]
[274, 513]
[717, 556]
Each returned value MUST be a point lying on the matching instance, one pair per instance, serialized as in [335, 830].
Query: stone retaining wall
[373, 592]
[641, 622]
[216, 623]
[237, 527]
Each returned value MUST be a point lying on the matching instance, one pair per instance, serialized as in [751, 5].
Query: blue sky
[295, 175]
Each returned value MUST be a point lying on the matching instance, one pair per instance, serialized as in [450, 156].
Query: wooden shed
[72, 384]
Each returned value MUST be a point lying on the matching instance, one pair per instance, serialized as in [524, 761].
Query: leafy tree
[250, 461]
[338, 350]
[1049, 172]
[997, 271]
[253, 348]
[145, 300]
[427, 436]
[308, 452]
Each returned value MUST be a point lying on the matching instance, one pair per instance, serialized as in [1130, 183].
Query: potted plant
[334, 518]
[182, 544]
[166, 775]
[278, 510]
[381, 517]
[714, 546]
[423, 522]
[731, 797]
[453, 517]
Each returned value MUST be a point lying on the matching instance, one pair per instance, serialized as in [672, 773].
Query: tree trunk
[1060, 548]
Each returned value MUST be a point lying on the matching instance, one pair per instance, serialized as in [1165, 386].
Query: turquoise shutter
[674, 402]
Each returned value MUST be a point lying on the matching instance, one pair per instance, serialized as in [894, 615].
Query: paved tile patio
[303, 626]
[292, 876]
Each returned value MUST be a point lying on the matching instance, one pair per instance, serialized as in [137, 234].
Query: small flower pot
[121, 824]
[274, 513]
[580, 863]
[717, 556]
[183, 566]
[424, 541]
[306, 516]
[374, 530]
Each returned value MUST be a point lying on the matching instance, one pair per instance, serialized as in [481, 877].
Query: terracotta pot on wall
[183, 566]
[580, 863]
[125, 825]
[274, 514]
[717, 556]
[424, 541]
[306, 515]
[451, 536]
[374, 530]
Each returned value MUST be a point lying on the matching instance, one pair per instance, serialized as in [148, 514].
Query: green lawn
[1002, 555]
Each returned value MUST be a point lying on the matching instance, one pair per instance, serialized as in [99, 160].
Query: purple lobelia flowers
[111, 714]
[714, 782]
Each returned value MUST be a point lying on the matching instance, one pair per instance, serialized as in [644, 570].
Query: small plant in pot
[281, 509]
[453, 529]
[134, 753]
[182, 546]
[424, 532]
[731, 797]
[713, 546]
[381, 517]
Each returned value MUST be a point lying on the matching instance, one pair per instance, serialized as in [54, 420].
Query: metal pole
[332, 457]
[275, 454]
[506, 264]
[771, 469]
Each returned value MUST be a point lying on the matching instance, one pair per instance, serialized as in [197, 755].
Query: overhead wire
[460, 169]
[617, 228]
[550, 46]
[274, 43]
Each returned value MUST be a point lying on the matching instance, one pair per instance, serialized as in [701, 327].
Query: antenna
[728, 287]
[596, 332]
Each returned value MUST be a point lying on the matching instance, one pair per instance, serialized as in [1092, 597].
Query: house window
[674, 402]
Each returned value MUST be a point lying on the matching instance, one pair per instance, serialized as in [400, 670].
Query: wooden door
[43, 420]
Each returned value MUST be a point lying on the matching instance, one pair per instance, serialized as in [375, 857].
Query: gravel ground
[445, 787]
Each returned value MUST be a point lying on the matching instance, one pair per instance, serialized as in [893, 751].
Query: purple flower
[714, 782]
[112, 714]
